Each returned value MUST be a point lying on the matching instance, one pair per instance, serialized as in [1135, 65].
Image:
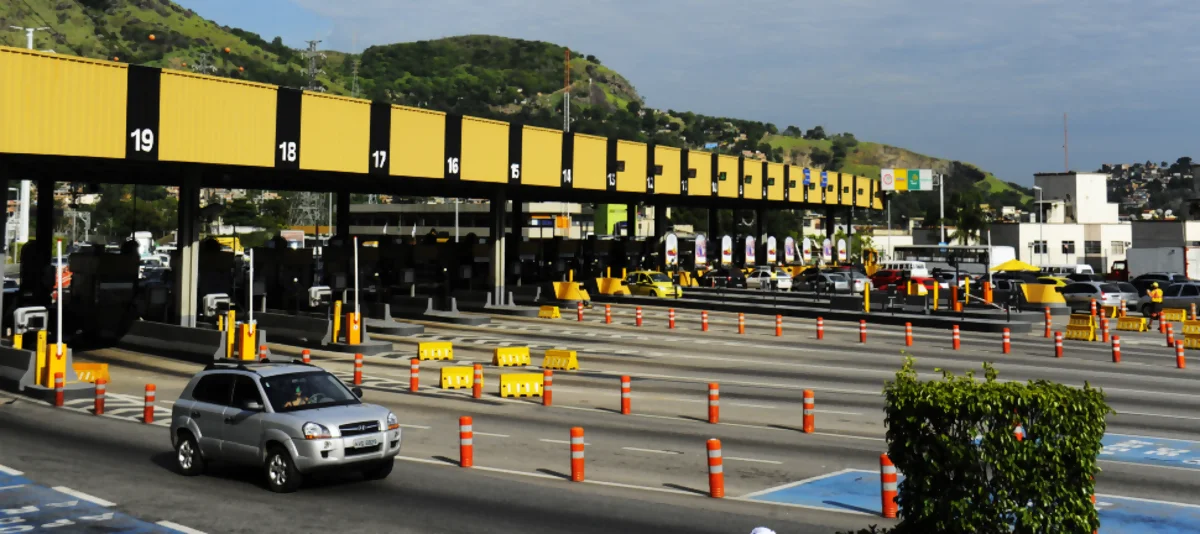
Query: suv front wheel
[282, 476]
[187, 456]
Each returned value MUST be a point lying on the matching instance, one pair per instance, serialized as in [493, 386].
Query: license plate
[366, 442]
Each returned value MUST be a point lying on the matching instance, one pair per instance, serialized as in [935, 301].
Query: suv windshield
[303, 391]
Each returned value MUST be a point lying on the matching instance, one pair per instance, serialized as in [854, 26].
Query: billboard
[672, 249]
[827, 250]
[906, 179]
[701, 250]
[726, 249]
[842, 253]
[750, 250]
[771, 253]
[789, 250]
[806, 250]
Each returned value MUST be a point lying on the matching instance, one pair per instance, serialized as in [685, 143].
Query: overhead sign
[701, 250]
[807, 176]
[672, 249]
[806, 250]
[750, 250]
[726, 249]
[843, 254]
[906, 179]
[771, 249]
[824, 179]
[789, 250]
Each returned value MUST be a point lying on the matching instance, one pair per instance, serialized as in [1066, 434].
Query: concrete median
[197, 345]
[423, 309]
[18, 375]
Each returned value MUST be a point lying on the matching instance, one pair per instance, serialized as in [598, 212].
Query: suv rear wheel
[282, 476]
[187, 456]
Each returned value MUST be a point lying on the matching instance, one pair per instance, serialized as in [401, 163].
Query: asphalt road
[647, 469]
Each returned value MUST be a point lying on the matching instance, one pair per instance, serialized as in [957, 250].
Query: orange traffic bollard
[1104, 330]
[741, 323]
[1058, 336]
[608, 314]
[1116, 349]
[704, 321]
[576, 454]
[477, 383]
[1180, 362]
[1007, 341]
[626, 395]
[466, 442]
[810, 410]
[671, 318]
[778, 325]
[547, 387]
[1124, 310]
[1193, 315]
[956, 341]
[714, 403]
[148, 410]
[820, 328]
[907, 334]
[358, 367]
[889, 489]
[1170, 335]
[414, 374]
[101, 395]
[306, 356]
[1047, 322]
[262, 352]
[58, 389]
[716, 470]
[579, 311]
[862, 331]
[638, 315]
[1093, 307]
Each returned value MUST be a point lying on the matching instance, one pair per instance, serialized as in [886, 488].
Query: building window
[1039, 247]
[1068, 247]
[1092, 247]
[1118, 248]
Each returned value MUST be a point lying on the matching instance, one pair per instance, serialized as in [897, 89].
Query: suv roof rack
[245, 365]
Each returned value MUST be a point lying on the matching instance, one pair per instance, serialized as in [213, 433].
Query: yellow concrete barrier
[1042, 294]
[564, 360]
[435, 350]
[1133, 324]
[511, 357]
[1112, 312]
[1081, 327]
[570, 291]
[1174, 314]
[611, 286]
[1191, 328]
[521, 385]
[457, 377]
[548, 312]
[91, 372]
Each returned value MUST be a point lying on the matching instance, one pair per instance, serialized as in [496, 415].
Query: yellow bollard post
[246, 337]
[936, 291]
[56, 362]
[40, 375]
[987, 292]
[220, 323]
[18, 341]
[337, 320]
[967, 293]
[353, 329]
[867, 298]
[571, 275]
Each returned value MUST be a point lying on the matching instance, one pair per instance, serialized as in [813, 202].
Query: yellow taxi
[652, 284]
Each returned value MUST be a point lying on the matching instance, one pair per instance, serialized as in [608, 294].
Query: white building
[1076, 225]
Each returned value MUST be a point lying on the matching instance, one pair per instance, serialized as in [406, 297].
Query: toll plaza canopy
[78, 119]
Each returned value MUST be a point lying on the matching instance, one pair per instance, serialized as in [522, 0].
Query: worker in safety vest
[1156, 296]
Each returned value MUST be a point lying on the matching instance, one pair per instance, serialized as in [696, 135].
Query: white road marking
[1154, 501]
[806, 507]
[18, 486]
[552, 477]
[421, 427]
[799, 482]
[744, 405]
[81, 495]
[559, 441]
[181, 528]
[656, 451]
[10, 471]
[492, 435]
[753, 460]
[1122, 412]
[835, 412]
[1140, 465]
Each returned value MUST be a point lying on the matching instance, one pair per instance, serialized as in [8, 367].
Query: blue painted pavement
[858, 491]
[1152, 451]
[27, 507]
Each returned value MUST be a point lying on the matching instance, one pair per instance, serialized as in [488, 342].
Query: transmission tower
[354, 69]
[313, 55]
[203, 66]
[307, 211]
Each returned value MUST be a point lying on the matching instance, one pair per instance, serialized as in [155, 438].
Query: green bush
[965, 471]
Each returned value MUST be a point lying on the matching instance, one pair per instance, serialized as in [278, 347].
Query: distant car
[858, 281]
[723, 277]
[823, 283]
[1085, 277]
[1129, 294]
[1079, 295]
[764, 279]
[1144, 281]
[1176, 296]
[652, 284]
[888, 277]
[289, 419]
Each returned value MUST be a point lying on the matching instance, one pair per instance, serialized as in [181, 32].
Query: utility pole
[567, 90]
[23, 199]
[1066, 144]
[354, 69]
[312, 55]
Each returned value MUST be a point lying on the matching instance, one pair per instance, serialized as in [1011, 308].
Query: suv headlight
[392, 422]
[315, 431]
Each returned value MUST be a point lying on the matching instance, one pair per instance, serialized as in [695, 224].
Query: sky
[985, 82]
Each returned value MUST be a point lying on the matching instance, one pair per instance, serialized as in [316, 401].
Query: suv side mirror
[358, 392]
[252, 406]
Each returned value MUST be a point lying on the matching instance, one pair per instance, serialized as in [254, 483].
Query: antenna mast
[1066, 145]
[567, 90]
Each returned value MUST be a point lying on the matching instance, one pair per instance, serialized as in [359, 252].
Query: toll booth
[105, 291]
[289, 277]
[214, 278]
[36, 280]
[530, 259]
[395, 268]
[339, 269]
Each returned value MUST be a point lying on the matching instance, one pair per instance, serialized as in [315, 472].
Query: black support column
[343, 215]
[496, 227]
[714, 223]
[513, 246]
[187, 272]
[631, 217]
[829, 220]
[660, 220]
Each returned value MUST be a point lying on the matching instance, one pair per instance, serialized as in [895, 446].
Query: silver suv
[289, 418]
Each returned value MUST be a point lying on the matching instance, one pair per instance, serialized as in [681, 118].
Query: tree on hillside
[793, 131]
[815, 133]
[820, 157]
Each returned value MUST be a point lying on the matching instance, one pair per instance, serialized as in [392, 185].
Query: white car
[769, 280]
